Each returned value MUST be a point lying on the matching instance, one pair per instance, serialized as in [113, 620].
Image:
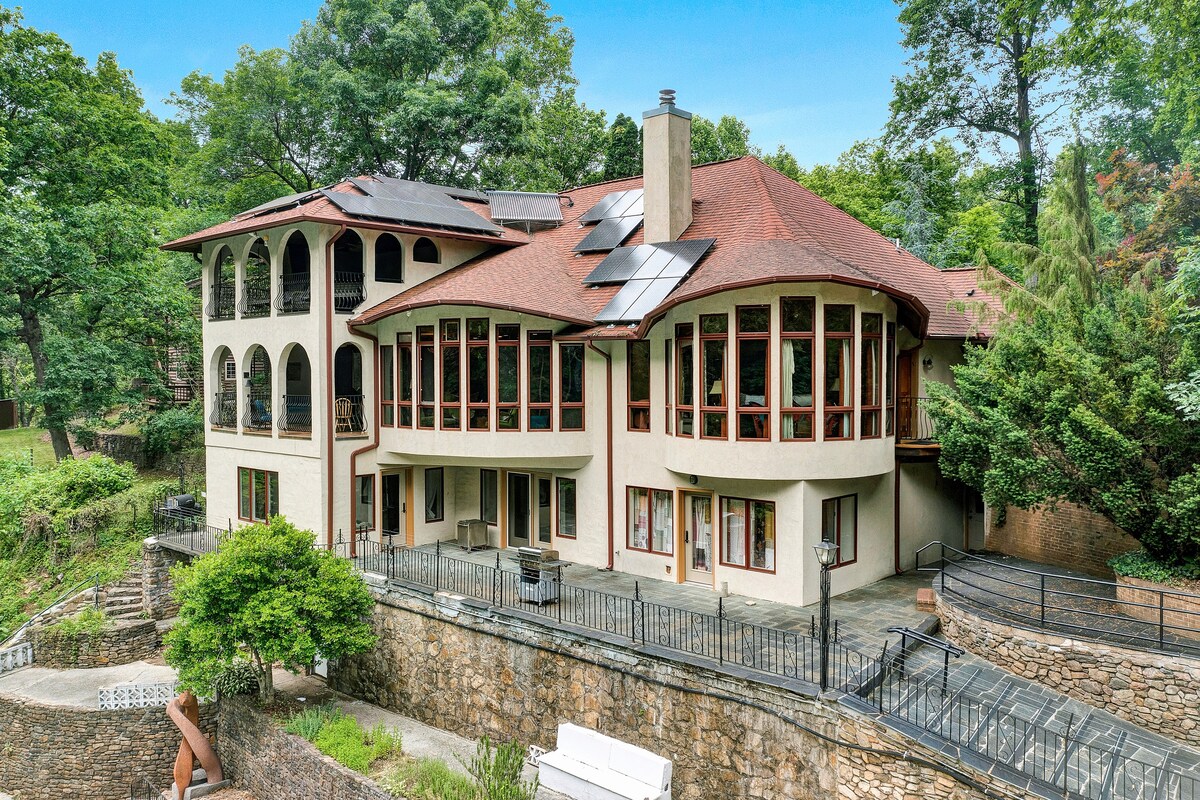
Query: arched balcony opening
[389, 259]
[256, 283]
[425, 251]
[296, 411]
[257, 414]
[221, 289]
[295, 276]
[223, 376]
[349, 415]
[348, 273]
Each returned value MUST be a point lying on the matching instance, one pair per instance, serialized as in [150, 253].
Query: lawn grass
[18, 441]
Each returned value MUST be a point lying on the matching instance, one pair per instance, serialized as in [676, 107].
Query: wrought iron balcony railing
[256, 297]
[257, 416]
[221, 301]
[349, 414]
[224, 410]
[913, 423]
[348, 291]
[295, 293]
[296, 416]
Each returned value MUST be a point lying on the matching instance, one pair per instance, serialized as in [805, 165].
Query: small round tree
[266, 596]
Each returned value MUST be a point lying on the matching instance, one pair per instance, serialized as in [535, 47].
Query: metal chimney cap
[666, 97]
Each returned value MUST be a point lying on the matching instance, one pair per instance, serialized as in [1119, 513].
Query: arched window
[296, 414]
[348, 412]
[389, 259]
[294, 285]
[223, 379]
[426, 251]
[347, 272]
[257, 416]
[256, 286]
[221, 291]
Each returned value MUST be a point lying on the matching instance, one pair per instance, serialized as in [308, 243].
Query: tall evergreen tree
[623, 156]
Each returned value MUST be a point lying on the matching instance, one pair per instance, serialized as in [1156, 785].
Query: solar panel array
[608, 234]
[525, 207]
[649, 272]
[615, 204]
[406, 201]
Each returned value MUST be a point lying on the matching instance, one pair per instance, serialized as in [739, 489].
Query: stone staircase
[123, 599]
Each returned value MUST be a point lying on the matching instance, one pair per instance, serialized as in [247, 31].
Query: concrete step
[122, 591]
[123, 601]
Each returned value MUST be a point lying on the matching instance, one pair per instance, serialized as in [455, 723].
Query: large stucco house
[693, 375]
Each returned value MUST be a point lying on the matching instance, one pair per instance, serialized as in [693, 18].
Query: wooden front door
[905, 402]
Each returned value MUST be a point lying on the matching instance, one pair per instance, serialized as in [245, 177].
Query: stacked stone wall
[1160, 693]
[268, 762]
[453, 665]
[52, 752]
[157, 600]
[123, 643]
[1070, 536]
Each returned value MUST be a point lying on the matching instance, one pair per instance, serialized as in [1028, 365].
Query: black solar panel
[609, 234]
[636, 299]
[620, 265]
[278, 203]
[646, 261]
[421, 206]
[615, 204]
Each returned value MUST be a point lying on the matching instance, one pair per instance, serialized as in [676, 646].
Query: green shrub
[172, 430]
[497, 772]
[429, 779]
[309, 722]
[343, 739]
[236, 678]
[75, 483]
[1140, 564]
[90, 620]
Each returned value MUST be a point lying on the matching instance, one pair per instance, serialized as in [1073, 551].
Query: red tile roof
[768, 229]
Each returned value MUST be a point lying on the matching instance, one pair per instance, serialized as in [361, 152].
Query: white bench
[587, 765]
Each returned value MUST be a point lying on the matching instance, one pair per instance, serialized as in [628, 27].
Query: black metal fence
[1143, 618]
[915, 423]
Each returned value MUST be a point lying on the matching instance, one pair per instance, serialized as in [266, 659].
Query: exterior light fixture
[826, 553]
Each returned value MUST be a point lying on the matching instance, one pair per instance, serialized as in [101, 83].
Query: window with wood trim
[748, 534]
[570, 393]
[753, 339]
[637, 363]
[714, 350]
[451, 404]
[489, 494]
[387, 386]
[508, 377]
[258, 494]
[871, 366]
[541, 380]
[889, 399]
[478, 382]
[685, 381]
[566, 508]
[435, 494]
[797, 339]
[426, 377]
[404, 379]
[649, 514]
[839, 524]
[838, 401]
[364, 503]
[668, 382]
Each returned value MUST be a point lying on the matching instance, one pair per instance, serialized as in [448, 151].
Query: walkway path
[78, 687]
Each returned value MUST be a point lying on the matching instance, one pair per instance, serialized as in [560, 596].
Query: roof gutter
[329, 380]
[608, 404]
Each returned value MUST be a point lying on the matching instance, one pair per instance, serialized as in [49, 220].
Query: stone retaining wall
[452, 664]
[1070, 536]
[157, 600]
[1160, 693]
[125, 642]
[55, 752]
[268, 762]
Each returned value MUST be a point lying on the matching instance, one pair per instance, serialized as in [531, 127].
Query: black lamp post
[826, 555]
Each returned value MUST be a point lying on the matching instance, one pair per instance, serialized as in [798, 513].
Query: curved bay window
[714, 344]
[753, 370]
[426, 377]
[838, 404]
[478, 359]
[387, 386]
[748, 534]
[637, 357]
[451, 375]
[685, 381]
[404, 379]
[796, 344]
[508, 377]
[872, 375]
[541, 381]
[570, 388]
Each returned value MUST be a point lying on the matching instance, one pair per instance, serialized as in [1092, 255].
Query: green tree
[623, 154]
[728, 138]
[266, 595]
[566, 149]
[984, 70]
[84, 172]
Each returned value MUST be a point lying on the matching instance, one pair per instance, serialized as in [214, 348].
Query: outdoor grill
[541, 571]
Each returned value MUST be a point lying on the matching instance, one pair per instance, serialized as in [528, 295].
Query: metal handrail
[914, 423]
[348, 291]
[221, 301]
[257, 416]
[224, 410]
[297, 413]
[93, 581]
[256, 296]
[295, 293]
[957, 566]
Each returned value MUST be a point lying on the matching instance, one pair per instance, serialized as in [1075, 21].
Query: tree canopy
[268, 597]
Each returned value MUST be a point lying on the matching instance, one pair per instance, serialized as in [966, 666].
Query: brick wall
[55, 752]
[458, 667]
[1070, 536]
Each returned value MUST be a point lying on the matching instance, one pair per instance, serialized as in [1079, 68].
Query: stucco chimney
[667, 164]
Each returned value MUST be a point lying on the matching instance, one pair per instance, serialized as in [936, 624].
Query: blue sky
[814, 76]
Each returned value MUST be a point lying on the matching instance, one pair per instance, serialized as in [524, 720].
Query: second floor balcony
[221, 298]
[349, 415]
[348, 291]
[256, 297]
[224, 410]
[915, 430]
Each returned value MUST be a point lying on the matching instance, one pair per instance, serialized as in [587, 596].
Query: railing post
[1042, 604]
[558, 591]
[720, 630]
[437, 565]
[942, 575]
[1161, 620]
[498, 586]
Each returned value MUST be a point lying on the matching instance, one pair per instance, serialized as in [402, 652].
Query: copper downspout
[374, 438]
[608, 404]
[329, 379]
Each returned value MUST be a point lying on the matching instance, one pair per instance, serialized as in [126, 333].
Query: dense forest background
[1051, 144]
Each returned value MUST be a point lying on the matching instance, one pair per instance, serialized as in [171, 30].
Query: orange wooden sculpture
[184, 711]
